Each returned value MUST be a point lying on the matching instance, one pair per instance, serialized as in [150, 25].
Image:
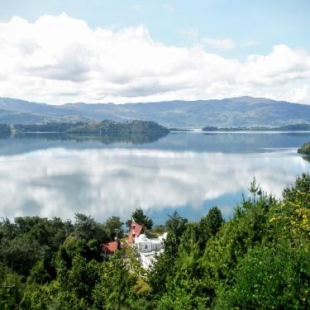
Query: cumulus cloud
[58, 59]
[280, 67]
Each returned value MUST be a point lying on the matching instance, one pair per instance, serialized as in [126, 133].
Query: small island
[291, 127]
[106, 131]
[100, 128]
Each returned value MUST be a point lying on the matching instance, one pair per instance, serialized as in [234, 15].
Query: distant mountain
[232, 112]
[16, 111]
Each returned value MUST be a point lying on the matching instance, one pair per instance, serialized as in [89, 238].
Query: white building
[149, 249]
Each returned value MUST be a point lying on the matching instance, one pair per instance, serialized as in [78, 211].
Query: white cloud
[281, 66]
[221, 44]
[59, 59]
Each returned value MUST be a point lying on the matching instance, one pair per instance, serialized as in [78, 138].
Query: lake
[52, 176]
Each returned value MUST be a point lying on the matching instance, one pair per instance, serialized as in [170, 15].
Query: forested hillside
[229, 112]
[258, 259]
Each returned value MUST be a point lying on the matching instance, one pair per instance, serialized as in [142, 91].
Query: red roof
[134, 231]
[109, 248]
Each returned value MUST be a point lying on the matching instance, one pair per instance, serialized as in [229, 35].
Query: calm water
[188, 172]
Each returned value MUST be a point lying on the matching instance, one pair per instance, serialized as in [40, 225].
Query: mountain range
[230, 112]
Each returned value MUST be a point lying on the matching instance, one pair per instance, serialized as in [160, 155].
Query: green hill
[225, 113]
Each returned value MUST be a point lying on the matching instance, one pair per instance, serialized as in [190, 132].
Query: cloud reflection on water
[106, 182]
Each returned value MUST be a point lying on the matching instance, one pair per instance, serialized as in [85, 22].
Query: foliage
[114, 227]
[209, 226]
[11, 288]
[115, 290]
[25, 242]
[263, 281]
[165, 265]
[304, 149]
[139, 217]
[159, 229]
[179, 269]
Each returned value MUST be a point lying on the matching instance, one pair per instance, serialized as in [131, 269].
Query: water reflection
[102, 182]
[130, 137]
[306, 158]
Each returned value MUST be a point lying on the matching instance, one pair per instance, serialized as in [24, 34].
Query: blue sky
[60, 51]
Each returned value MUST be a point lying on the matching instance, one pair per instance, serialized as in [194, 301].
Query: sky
[120, 51]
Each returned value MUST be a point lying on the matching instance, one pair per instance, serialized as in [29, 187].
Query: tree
[11, 288]
[263, 281]
[87, 228]
[179, 271]
[164, 267]
[20, 254]
[209, 226]
[115, 289]
[292, 217]
[176, 223]
[184, 286]
[88, 235]
[139, 217]
[113, 227]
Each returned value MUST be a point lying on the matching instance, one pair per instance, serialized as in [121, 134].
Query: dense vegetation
[258, 259]
[305, 149]
[101, 128]
[104, 131]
